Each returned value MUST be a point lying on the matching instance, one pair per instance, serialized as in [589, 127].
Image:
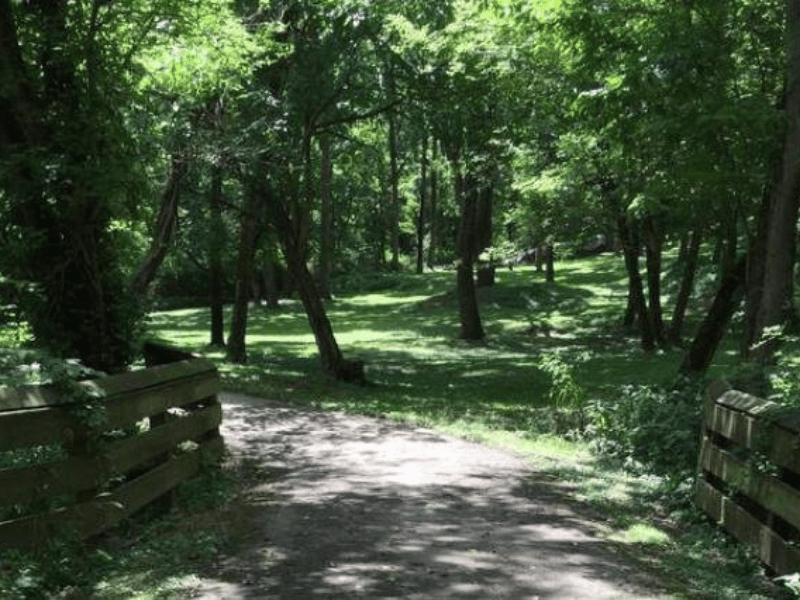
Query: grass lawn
[407, 334]
[509, 391]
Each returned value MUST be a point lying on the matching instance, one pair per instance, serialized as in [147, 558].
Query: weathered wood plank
[16, 398]
[128, 454]
[770, 547]
[106, 511]
[34, 427]
[54, 425]
[777, 497]
[126, 410]
[716, 388]
[146, 488]
[39, 482]
[746, 403]
[29, 484]
[782, 445]
[764, 409]
[152, 377]
[735, 425]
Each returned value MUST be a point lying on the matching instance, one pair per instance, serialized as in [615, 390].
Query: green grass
[405, 328]
[500, 393]
[407, 335]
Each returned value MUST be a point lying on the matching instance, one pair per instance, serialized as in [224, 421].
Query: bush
[652, 426]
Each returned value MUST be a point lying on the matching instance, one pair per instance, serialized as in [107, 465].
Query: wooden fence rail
[160, 425]
[749, 474]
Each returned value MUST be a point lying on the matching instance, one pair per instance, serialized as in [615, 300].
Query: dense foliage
[252, 150]
[183, 147]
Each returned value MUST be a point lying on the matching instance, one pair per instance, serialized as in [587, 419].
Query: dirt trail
[356, 507]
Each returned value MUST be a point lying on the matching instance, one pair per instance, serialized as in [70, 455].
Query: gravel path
[355, 507]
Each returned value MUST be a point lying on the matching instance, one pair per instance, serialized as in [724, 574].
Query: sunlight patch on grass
[146, 586]
[305, 339]
[371, 300]
[405, 328]
[360, 336]
[641, 533]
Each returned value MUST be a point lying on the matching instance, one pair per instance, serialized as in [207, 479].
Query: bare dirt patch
[354, 507]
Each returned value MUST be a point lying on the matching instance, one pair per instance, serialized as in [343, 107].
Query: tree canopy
[151, 135]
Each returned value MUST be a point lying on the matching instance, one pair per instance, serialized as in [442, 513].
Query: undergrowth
[150, 555]
[555, 362]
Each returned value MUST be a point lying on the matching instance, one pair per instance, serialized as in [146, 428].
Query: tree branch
[353, 118]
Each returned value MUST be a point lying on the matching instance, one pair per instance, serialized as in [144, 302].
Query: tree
[66, 168]
[325, 262]
[307, 94]
[456, 76]
[679, 98]
[776, 305]
[164, 228]
[255, 201]
[216, 243]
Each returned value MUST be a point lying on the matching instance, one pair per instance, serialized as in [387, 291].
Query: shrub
[653, 426]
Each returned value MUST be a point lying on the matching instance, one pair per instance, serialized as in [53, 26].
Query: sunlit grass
[405, 328]
[643, 534]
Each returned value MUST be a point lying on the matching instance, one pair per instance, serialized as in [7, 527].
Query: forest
[236, 159]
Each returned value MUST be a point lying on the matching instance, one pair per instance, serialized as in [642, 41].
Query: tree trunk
[471, 326]
[636, 290]
[777, 306]
[629, 317]
[483, 213]
[549, 263]
[248, 233]
[653, 250]
[329, 352]
[539, 254]
[164, 227]
[19, 122]
[728, 243]
[81, 307]
[466, 190]
[434, 216]
[325, 263]
[394, 177]
[712, 329]
[382, 222]
[216, 242]
[423, 201]
[690, 254]
[333, 363]
[754, 277]
[271, 293]
[486, 276]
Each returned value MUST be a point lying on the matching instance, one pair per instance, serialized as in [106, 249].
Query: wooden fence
[749, 474]
[159, 425]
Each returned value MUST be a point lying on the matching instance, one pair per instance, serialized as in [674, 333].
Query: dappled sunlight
[642, 533]
[370, 508]
[407, 335]
[381, 300]
[495, 392]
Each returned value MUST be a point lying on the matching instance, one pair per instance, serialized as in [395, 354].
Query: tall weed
[566, 397]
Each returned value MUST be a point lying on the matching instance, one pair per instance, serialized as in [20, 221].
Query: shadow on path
[365, 508]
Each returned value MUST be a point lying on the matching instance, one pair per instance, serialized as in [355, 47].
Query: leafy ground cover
[554, 353]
